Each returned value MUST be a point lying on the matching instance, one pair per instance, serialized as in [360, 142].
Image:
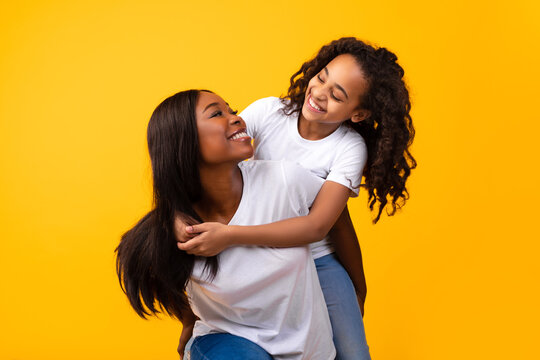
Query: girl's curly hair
[388, 132]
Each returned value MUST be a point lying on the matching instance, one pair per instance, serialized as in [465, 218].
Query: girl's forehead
[345, 70]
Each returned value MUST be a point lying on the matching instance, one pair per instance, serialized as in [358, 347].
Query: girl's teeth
[313, 105]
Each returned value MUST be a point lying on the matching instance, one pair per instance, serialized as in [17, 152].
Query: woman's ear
[360, 115]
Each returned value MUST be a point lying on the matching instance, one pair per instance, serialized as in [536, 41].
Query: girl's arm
[348, 251]
[328, 207]
[213, 238]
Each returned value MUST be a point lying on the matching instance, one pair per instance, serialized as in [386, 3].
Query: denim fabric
[342, 304]
[187, 349]
[226, 346]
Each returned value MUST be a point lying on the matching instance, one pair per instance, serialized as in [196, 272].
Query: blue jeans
[342, 304]
[226, 346]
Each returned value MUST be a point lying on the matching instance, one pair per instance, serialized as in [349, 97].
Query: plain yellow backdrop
[452, 276]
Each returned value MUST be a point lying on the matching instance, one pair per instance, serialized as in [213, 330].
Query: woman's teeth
[239, 135]
[313, 105]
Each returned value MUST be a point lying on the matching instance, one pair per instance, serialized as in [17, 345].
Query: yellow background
[453, 276]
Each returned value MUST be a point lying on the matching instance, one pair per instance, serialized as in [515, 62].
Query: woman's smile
[239, 135]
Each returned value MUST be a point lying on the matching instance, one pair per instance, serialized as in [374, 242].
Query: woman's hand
[187, 331]
[208, 239]
[188, 322]
[361, 301]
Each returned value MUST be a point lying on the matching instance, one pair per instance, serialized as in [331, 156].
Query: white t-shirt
[270, 296]
[339, 157]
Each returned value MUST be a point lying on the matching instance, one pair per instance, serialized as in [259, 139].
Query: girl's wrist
[232, 237]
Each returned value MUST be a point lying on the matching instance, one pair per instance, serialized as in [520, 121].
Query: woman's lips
[240, 136]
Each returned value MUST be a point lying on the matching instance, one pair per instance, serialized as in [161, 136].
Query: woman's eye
[234, 112]
[217, 113]
[320, 78]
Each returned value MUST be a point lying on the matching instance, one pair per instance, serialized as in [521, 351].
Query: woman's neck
[222, 188]
[311, 130]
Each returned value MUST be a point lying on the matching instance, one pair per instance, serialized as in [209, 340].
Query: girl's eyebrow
[337, 85]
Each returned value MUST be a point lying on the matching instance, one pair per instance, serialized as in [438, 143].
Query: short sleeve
[349, 164]
[302, 186]
[254, 115]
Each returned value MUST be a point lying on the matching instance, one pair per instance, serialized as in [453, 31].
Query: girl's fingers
[187, 246]
[195, 229]
[191, 245]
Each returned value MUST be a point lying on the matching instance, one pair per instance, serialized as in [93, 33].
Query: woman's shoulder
[285, 172]
[262, 168]
[278, 166]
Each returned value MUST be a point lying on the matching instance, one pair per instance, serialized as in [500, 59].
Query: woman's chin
[248, 154]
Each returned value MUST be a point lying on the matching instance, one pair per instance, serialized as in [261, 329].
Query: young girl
[260, 303]
[346, 108]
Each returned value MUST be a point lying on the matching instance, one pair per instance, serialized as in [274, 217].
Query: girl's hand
[181, 221]
[209, 239]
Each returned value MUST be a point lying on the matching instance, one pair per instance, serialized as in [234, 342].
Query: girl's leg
[342, 304]
[226, 346]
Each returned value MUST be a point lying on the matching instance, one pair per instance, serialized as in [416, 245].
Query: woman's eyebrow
[337, 85]
[209, 105]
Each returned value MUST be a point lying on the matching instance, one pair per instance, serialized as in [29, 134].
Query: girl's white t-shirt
[270, 296]
[340, 157]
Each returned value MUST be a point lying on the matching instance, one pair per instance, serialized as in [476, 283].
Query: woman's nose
[236, 120]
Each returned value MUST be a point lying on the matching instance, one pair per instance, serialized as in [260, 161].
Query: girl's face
[222, 133]
[335, 94]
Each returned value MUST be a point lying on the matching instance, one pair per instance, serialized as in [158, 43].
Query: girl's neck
[311, 130]
[222, 188]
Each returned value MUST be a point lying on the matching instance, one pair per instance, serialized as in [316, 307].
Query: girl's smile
[312, 105]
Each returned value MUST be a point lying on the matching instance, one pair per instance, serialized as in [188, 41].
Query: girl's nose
[318, 92]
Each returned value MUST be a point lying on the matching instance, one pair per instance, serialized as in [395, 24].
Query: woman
[252, 302]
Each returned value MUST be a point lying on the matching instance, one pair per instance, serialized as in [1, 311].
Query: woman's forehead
[206, 98]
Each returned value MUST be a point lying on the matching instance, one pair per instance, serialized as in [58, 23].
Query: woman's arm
[348, 251]
[215, 237]
[188, 322]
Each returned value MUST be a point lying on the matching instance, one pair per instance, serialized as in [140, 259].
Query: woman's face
[222, 133]
[335, 94]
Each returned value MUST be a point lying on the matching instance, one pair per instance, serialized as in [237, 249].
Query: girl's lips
[311, 105]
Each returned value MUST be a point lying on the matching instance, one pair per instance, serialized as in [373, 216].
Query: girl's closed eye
[234, 112]
[335, 97]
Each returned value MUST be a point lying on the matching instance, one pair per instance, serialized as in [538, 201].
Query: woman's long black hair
[388, 131]
[152, 271]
